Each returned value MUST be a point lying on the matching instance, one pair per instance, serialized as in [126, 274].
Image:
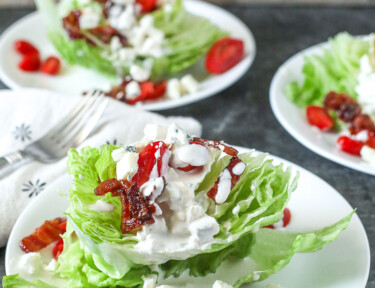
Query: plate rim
[65, 178]
[273, 97]
[242, 68]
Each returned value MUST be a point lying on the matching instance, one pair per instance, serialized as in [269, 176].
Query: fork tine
[68, 119]
[75, 121]
[61, 134]
[84, 127]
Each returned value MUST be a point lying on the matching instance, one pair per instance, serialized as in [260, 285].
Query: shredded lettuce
[337, 69]
[15, 281]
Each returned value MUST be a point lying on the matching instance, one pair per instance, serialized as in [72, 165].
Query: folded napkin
[26, 115]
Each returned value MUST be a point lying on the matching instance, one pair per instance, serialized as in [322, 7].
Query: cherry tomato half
[24, 47]
[224, 55]
[30, 62]
[51, 66]
[147, 5]
[57, 250]
[350, 146]
[319, 117]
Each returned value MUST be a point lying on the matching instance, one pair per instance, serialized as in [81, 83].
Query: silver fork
[69, 133]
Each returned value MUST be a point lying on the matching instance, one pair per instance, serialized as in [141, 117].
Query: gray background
[241, 115]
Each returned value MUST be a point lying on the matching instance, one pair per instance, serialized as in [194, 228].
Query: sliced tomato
[147, 161]
[57, 250]
[24, 47]
[224, 55]
[30, 62]
[189, 168]
[51, 66]
[286, 219]
[147, 5]
[350, 146]
[319, 117]
[149, 91]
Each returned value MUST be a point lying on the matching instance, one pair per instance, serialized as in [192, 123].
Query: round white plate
[293, 118]
[341, 264]
[74, 80]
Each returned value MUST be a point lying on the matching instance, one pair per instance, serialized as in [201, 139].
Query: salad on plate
[171, 210]
[144, 46]
[338, 93]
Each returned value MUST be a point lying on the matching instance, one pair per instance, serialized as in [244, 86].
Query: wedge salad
[164, 211]
[338, 93]
[143, 45]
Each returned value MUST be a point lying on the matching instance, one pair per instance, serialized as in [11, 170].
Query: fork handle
[12, 161]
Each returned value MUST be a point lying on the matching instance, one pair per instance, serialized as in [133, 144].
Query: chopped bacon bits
[215, 144]
[349, 111]
[113, 186]
[136, 212]
[46, 234]
[234, 178]
[104, 33]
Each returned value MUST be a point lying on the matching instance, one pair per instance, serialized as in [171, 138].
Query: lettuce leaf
[254, 257]
[15, 281]
[337, 69]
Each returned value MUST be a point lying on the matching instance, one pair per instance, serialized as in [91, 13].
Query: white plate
[74, 80]
[341, 264]
[293, 118]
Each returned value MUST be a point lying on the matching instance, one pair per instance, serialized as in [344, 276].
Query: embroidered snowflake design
[22, 132]
[113, 142]
[33, 188]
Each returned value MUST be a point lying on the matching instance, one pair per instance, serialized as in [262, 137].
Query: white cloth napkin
[26, 115]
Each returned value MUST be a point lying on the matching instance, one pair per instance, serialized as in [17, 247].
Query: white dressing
[224, 187]
[101, 206]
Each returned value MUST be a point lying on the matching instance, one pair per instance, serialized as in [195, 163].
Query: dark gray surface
[242, 115]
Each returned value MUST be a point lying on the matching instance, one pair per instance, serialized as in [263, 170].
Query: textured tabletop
[241, 115]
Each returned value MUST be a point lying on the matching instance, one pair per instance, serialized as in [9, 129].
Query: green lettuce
[15, 281]
[337, 70]
[188, 39]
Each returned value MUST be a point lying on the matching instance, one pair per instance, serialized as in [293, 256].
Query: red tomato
[30, 62]
[188, 168]
[25, 47]
[224, 55]
[147, 5]
[287, 217]
[147, 160]
[149, 91]
[350, 146]
[57, 250]
[319, 117]
[51, 66]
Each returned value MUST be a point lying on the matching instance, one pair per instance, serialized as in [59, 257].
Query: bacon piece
[46, 234]
[361, 122]
[135, 211]
[103, 32]
[346, 107]
[234, 178]
[216, 144]
[113, 186]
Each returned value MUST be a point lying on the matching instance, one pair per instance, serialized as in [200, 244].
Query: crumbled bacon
[103, 32]
[234, 178]
[216, 144]
[361, 122]
[113, 185]
[136, 211]
[46, 234]
[349, 111]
